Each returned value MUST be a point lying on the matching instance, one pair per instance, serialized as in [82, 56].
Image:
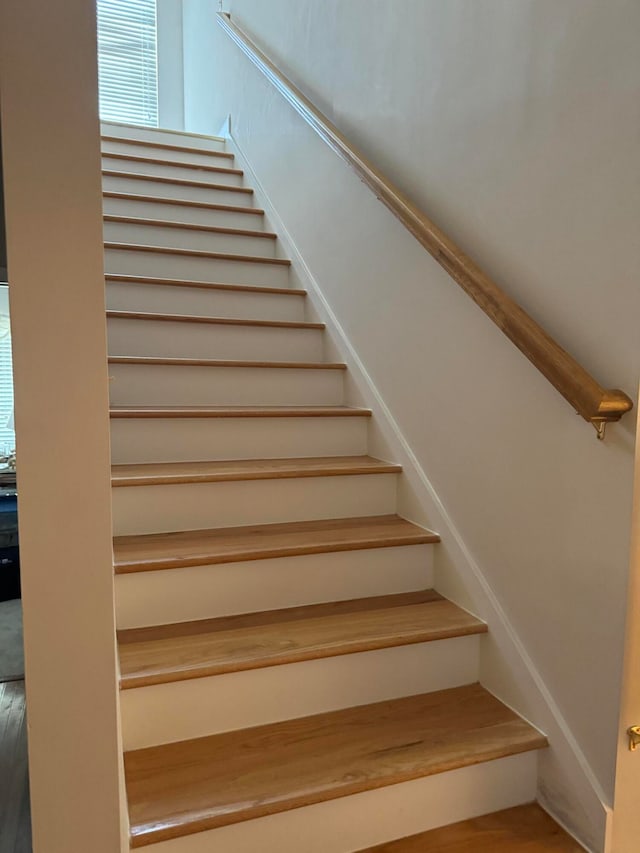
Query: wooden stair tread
[182, 202]
[218, 321]
[186, 787]
[182, 182]
[178, 282]
[523, 829]
[159, 161]
[170, 147]
[188, 226]
[197, 253]
[222, 362]
[159, 473]
[249, 641]
[152, 551]
[238, 412]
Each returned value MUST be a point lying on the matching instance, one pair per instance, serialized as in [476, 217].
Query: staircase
[290, 680]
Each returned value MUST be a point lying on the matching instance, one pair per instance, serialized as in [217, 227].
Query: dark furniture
[9, 551]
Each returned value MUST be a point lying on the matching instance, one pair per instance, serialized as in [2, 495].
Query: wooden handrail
[595, 404]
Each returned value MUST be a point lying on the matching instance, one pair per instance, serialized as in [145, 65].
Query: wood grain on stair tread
[159, 473]
[180, 788]
[218, 362]
[205, 285]
[232, 644]
[169, 146]
[153, 551]
[523, 829]
[188, 226]
[197, 253]
[238, 412]
[217, 321]
[183, 202]
[181, 182]
[159, 161]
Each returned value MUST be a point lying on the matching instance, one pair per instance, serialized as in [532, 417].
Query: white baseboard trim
[569, 790]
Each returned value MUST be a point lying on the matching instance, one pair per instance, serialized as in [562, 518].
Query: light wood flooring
[15, 817]
[524, 829]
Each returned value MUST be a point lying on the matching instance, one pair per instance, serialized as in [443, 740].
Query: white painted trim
[542, 709]
[106, 124]
[567, 829]
[225, 129]
[608, 841]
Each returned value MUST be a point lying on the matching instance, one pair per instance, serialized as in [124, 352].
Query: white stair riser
[182, 238]
[209, 340]
[162, 189]
[182, 172]
[184, 213]
[202, 302]
[170, 385]
[162, 509]
[375, 817]
[189, 268]
[140, 440]
[225, 589]
[181, 710]
[210, 158]
[166, 137]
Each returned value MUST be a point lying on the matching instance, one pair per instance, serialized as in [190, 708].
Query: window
[7, 434]
[127, 61]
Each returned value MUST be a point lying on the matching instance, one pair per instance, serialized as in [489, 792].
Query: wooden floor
[15, 819]
[524, 829]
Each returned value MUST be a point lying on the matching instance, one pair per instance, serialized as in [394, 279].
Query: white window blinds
[127, 61]
[7, 434]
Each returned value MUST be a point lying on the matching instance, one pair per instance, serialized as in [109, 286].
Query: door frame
[624, 832]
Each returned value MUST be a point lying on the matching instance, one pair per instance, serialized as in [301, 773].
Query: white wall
[515, 126]
[51, 151]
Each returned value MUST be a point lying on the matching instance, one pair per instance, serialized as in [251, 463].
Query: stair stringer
[567, 787]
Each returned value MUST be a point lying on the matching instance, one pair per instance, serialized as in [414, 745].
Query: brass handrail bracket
[634, 738]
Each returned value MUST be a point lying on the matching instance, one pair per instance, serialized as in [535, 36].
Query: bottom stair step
[187, 787]
[523, 829]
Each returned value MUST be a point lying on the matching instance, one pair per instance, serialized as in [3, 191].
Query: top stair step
[137, 134]
[117, 144]
[180, 788]
[523, 829]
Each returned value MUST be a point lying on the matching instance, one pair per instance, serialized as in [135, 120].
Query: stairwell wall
[511, 125]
